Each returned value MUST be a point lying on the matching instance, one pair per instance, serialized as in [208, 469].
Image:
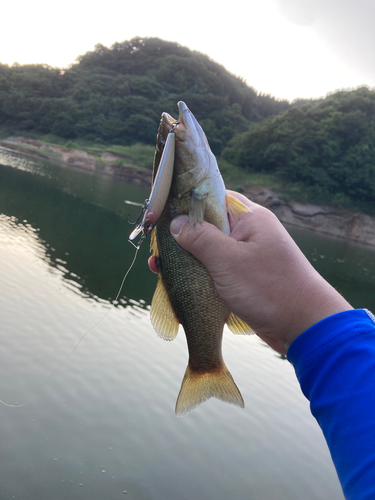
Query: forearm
[335, 364]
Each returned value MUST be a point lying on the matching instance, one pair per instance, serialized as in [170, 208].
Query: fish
[185, 293]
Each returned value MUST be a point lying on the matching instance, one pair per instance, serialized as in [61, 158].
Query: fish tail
[197, 387]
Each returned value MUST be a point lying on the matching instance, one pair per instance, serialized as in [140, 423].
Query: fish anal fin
[163, 317]
[237, 325]
[198, 387]
[235, 207]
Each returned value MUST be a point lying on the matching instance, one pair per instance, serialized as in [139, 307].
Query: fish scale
[193, 295]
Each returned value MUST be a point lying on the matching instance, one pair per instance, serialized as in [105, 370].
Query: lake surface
[103, 426]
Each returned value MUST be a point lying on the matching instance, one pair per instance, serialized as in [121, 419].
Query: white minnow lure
[153, 207]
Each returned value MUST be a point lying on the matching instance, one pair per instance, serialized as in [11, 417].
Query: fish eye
[149, 227]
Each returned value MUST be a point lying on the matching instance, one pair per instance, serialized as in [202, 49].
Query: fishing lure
[153, 207]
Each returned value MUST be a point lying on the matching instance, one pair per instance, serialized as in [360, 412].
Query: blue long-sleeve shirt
[334, 362]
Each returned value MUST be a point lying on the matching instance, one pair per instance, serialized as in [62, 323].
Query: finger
[235, 217]
[205, 241]
[152, 264]
[257, 223]
[242, 198]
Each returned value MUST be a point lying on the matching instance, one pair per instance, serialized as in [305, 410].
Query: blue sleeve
[334, 362]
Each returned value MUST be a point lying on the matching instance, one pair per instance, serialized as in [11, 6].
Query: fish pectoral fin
[237, 325]
[163, 317]
[235, 207]
[198, 387]
[197, 206]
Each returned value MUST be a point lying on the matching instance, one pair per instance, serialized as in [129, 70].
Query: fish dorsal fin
[236, 325]
[163, 317]
[236, 207]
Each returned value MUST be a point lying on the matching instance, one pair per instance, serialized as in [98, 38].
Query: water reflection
[348, 266]
[81, 222]
[86, 242]
[109, 407]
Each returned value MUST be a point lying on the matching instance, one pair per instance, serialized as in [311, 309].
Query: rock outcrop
[354, 226]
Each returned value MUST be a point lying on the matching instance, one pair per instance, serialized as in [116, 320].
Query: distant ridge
[117, 94]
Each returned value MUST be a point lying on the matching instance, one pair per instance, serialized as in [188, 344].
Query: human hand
[261, 274]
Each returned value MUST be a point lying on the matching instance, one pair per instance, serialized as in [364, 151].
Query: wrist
[320, 305]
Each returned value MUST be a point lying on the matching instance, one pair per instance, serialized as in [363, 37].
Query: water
[104, 424]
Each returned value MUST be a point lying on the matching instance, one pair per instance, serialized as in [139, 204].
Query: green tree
[326, 146]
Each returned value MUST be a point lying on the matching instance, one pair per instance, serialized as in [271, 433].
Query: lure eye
[149, 223]
[149, 227]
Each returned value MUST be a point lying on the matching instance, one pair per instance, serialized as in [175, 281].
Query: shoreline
[324, 219]
[340, 223]
[107, 163]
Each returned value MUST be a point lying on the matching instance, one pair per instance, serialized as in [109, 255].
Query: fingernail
[178, 223]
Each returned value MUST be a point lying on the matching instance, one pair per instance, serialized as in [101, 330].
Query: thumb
[204, 240]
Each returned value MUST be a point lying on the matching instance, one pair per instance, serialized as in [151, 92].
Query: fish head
[197, 181]
[192, 148]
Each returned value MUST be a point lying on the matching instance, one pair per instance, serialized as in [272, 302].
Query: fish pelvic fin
[198, 387]
[162, 315]
[235, 207]
[237, 325]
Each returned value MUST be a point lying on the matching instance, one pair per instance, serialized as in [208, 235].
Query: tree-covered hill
[325, 148]
[117, 95]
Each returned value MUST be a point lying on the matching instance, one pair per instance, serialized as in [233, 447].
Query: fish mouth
[186, 127]
[171, 122]
[168, 121]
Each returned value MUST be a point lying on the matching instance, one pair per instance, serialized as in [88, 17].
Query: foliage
[322, 150]
[325, 150]
[235, 177]
[139, 154]
[116, 95]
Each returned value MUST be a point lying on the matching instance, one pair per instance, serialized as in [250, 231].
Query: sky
[287, 48]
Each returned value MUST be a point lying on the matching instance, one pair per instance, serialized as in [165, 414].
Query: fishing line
[16, 405]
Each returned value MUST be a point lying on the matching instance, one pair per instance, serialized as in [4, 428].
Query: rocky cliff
[354, 226]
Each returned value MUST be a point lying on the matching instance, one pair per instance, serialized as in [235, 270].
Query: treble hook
[132, 223]
[174, 126]
[143, 210]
